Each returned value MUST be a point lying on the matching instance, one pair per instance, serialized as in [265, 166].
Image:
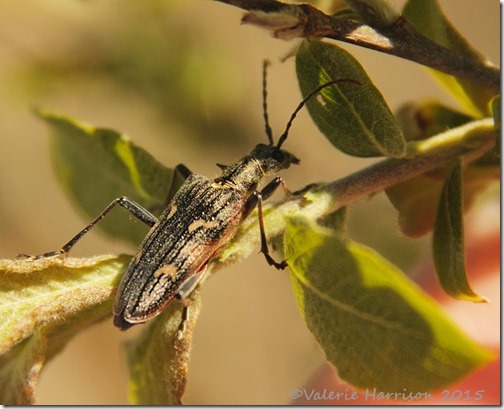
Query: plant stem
[469, 142]
[400, 38]
[432, 153]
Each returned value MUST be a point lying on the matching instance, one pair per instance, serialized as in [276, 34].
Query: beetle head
[272, 158]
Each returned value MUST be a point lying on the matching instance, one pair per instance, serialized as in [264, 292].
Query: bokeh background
[183, 80]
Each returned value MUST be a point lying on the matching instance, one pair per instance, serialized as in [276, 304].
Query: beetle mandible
[196, 224]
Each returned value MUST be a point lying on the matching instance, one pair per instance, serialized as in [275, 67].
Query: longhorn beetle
[197, 223]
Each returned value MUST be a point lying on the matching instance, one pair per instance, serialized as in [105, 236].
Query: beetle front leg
[272, 186]
[265, 193]
[256, 200]
[264, 244]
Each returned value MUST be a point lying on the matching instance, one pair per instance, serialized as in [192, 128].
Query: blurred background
[183, 80]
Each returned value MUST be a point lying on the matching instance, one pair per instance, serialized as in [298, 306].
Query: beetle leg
[255, 199]
[190, 283]
[272, 186]
[182, 326]
[134, 208]
[265, 193]
[264, 243]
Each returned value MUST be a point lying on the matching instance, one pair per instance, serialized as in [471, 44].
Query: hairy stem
[426, 155]
[468, 142]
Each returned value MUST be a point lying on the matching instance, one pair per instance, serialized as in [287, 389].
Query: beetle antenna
[269, 131]
[283, 137]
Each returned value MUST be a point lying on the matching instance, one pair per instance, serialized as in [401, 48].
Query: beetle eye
[277, 155]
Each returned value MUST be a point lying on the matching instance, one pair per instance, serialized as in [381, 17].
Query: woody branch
[398, 38]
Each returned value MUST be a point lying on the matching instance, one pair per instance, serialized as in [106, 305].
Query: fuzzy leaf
[44, 303]
[159, 357]
[428, 18]
[19, 370]
[448, 240]
[375, 326]
[96, 166]
[355, 119]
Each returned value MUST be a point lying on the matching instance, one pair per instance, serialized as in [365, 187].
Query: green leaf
[44, 303]
[19, 370]
[428, 18]
[355, 119]
[96, 166]
[448, 240]
[159, 357]
[375, 326]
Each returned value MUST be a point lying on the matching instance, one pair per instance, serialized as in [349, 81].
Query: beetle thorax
[245, 175]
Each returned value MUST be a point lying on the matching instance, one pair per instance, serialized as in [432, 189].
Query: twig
[400, 38]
